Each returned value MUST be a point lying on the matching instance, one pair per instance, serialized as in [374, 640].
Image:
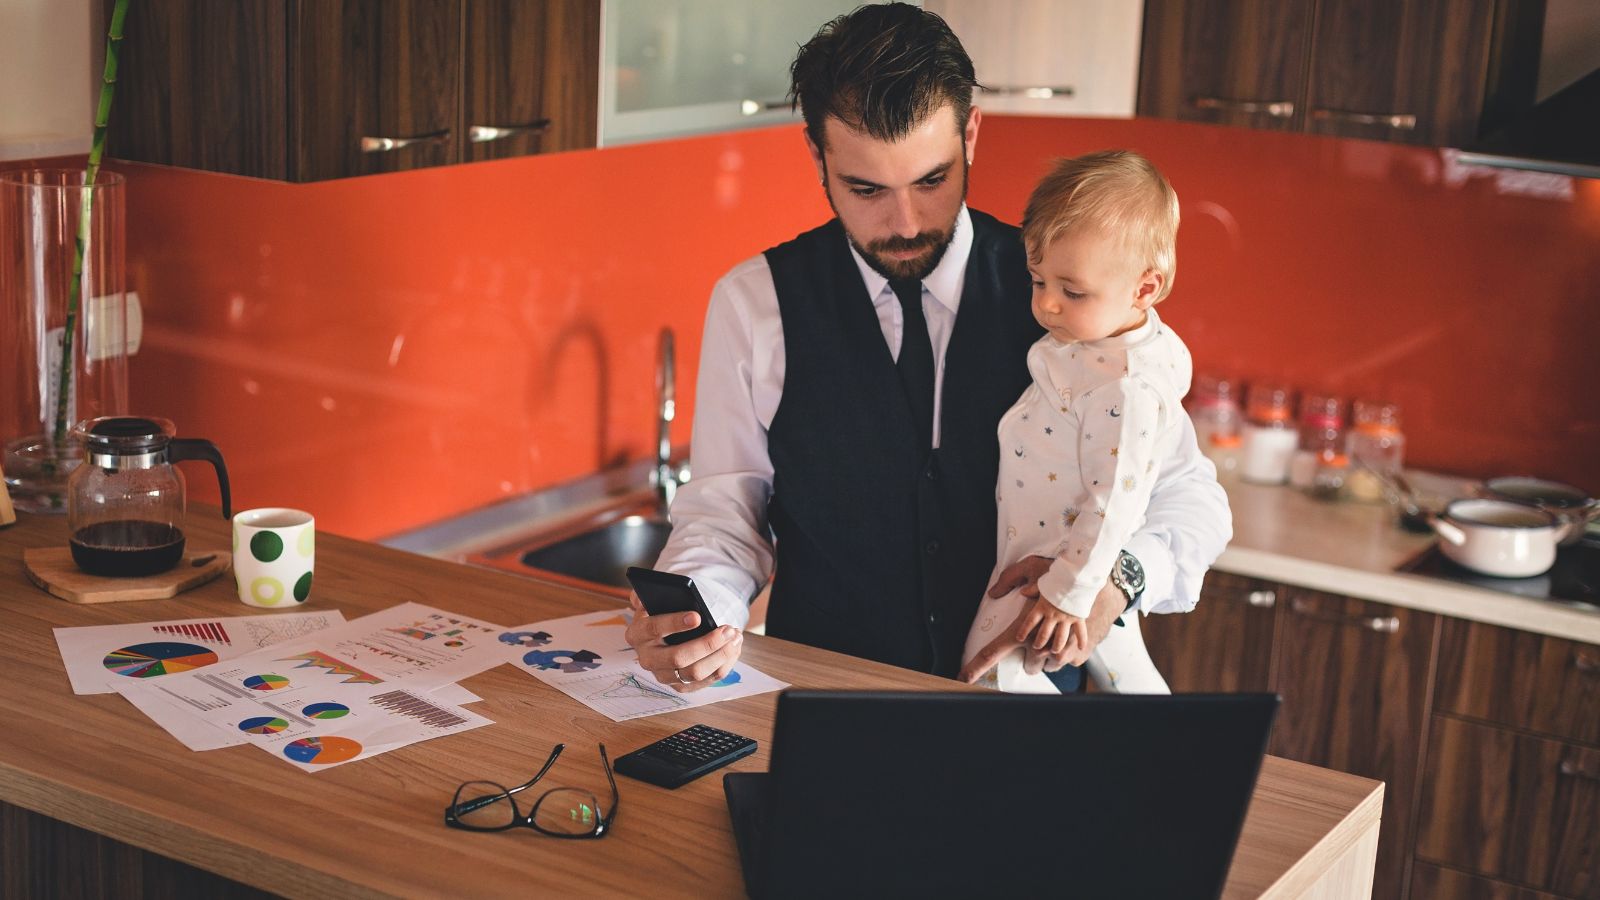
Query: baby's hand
[1050, 629]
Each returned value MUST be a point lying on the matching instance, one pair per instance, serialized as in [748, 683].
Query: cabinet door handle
[1379, 624]
[481, 134]
[1262, 599]
[389, 144]
[1588, 665]
[1039, 92]
[752, 107]
[1278, 109]
[1397, 121]
[1573, 770]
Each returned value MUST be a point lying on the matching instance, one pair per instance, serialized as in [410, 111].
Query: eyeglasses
[561, 812]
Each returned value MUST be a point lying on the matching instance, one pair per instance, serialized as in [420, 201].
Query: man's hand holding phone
[682, 663]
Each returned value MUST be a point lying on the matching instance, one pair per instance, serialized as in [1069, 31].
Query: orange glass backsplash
[389, 350]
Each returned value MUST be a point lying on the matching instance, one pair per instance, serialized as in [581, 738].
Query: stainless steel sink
[592, 549]
[603, 556]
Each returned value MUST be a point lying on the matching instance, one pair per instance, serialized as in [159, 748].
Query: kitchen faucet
[665, 477]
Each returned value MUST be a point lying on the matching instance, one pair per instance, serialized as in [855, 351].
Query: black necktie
[916, 357]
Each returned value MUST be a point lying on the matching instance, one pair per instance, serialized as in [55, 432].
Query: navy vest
[883, 549]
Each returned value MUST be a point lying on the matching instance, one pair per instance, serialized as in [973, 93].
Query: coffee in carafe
[125, 503]
[127, 547]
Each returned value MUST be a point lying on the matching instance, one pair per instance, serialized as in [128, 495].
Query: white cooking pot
[1498, 537]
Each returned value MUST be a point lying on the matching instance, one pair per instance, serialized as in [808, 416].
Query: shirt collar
[946, 280]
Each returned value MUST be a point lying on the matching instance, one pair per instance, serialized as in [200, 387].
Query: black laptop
[982, 794]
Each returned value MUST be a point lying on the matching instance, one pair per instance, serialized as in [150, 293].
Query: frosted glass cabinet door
[1051, 57]
[677, 67]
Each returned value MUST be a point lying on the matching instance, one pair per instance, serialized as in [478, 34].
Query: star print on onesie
[1086, 434]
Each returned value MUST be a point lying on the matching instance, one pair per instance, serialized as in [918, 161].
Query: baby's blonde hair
[1115, 192]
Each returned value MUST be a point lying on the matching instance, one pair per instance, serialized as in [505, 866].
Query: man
[850, 384]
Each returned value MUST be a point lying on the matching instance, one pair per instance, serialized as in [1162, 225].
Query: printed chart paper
[255, 701]
[419, 645]
[101, 657]
[587, 657]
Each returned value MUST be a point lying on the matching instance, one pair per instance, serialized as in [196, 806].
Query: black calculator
[681, 758]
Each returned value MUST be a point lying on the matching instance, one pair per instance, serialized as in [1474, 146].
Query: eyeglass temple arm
[547, 764]
[615, 797]
[472, 805]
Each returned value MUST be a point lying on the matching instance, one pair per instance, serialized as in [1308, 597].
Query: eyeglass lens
[566, 811]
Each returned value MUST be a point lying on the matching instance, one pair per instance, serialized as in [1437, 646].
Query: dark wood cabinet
[375, 86]
[1225, 644]
[1428, 880]
[1416, 71]
[1401, 70]
[1511, 790]
[1229, 62]
[1512, 806]
[1522, 680]
[1354, 677]
[305, 90]
[1487, 738]
[531, 77]
[204, 85]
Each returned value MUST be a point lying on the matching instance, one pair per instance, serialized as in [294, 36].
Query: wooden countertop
[374, 828]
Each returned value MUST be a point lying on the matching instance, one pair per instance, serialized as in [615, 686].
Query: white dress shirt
[720, 536]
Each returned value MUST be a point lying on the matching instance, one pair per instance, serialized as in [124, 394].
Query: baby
[1081, 449]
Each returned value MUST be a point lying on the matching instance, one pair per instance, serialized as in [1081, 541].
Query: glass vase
[40, 214]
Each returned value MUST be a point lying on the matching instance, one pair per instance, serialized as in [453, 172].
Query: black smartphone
[664, 593]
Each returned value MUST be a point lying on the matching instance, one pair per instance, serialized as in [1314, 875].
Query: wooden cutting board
[52, 568]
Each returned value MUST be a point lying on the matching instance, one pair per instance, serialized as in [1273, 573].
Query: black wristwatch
[1128, 576]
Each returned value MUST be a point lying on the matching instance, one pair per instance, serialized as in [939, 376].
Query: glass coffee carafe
[125, 502]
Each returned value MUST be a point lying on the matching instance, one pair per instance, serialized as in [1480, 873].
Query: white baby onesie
[1079, 455]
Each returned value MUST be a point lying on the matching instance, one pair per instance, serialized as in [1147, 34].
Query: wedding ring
[681, 679]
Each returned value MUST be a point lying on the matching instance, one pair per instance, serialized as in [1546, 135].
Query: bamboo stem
[102, 118]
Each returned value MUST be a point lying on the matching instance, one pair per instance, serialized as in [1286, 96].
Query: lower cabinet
[1511, 790]
[1354, 680]
[1430, 881]
[1487, 738]
[1224, 645]
[1512, 806]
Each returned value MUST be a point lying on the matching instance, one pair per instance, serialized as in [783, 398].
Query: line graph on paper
[623, 695]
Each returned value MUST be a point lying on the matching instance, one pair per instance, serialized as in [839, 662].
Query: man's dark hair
[881, 69]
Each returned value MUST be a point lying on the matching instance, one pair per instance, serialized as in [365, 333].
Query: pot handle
[203, 450]
[1447, 531]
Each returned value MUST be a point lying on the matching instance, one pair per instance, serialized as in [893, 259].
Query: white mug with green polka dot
[272, 554]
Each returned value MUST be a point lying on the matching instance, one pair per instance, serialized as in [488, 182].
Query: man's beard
[916, 268]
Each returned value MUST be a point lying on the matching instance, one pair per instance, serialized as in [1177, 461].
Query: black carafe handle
[201, 449]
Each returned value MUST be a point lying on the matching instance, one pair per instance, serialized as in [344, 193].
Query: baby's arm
[1118, 428]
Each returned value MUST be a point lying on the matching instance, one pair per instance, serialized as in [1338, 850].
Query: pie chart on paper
[322, 751]
[160, 658]
[263, 725]
[266, 682]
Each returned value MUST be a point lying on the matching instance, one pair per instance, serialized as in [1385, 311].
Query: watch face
[1130, 573]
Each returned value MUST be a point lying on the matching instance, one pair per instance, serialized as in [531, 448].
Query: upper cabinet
[1050, 57]
[681, 67]
[305, 90]
[1417, 71]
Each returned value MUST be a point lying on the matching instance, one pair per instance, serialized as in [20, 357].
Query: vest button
[932, 472]
[933, 618]
[932, 548]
